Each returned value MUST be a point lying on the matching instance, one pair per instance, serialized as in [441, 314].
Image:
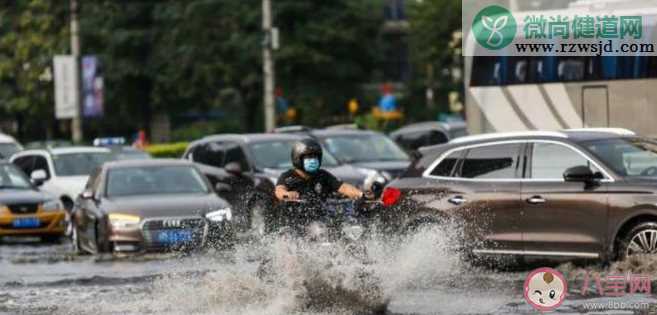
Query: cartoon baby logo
[545, 289]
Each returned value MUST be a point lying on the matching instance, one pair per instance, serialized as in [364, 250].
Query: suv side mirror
[233, 168]
[38, 177]
[87, 195]
[579, 174]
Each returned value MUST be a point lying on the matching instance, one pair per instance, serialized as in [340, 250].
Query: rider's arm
[282, 193]
[350, 191]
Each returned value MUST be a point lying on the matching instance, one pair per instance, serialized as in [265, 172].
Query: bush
[167, 150]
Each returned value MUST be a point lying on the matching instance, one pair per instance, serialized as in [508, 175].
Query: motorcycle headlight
[124, 221]
[225, 214]
[52, 205]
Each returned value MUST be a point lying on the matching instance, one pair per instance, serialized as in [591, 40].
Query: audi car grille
[162, 233]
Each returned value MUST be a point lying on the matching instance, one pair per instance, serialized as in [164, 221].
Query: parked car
[8, 146]
[26, 211]
[149, 205]
[573, 194]
[365, 150]
[64, 171]
[248, 166]
[414, 136]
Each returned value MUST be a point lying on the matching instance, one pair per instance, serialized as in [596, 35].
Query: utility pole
[268, 66]
[76, 122]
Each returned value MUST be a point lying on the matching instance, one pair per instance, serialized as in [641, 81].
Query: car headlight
[225, 214]
[52, 205]
[124, 221]
[3, 209]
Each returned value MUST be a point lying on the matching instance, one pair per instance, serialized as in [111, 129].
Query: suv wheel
[641, 240]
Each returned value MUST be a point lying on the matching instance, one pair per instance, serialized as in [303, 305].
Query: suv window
[211, 154]
[493, 162]
[40, 163]
[446, 166]
[417, 139]
[25, 163]
[551, 160]
[234, 153]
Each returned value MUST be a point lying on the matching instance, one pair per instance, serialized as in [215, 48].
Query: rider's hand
[368, 195]
[291, 195]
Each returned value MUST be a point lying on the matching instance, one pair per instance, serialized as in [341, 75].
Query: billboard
[92, 87]
[66, 96]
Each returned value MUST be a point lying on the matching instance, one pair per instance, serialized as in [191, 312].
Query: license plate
[26, 223]
[174, 236]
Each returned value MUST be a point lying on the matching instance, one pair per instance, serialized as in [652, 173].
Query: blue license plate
[174, 236]
[26, 223]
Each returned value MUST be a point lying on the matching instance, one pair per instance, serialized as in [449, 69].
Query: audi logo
[172, 223]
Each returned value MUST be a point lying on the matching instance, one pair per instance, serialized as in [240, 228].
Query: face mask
[311, 165]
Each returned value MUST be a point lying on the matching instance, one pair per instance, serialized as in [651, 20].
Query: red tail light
[390, 196]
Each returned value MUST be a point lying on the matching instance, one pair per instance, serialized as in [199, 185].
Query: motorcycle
[329, 221]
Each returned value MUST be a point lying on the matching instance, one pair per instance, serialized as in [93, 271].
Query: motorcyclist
[307, 180]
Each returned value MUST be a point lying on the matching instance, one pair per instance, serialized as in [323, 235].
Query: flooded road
[406, 278]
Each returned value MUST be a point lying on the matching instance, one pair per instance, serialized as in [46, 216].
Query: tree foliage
[191, 59]
[432, 25]
[31, 33]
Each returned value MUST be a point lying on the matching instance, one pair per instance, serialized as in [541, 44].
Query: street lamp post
[268, 66]
[76, 122]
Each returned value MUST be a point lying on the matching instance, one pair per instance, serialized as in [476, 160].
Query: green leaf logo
[494, 27]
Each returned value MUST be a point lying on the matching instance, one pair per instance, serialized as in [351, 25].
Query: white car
[8, 146]
[62, 172]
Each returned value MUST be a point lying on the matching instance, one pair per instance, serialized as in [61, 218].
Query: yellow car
[26, 211]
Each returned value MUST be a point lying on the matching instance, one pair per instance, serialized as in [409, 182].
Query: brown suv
[588, 193]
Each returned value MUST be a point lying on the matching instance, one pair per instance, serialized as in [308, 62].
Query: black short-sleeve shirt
[318, 186]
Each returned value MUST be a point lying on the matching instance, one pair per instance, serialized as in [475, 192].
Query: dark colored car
[245, 169]
[414, 136]
[587, 193]
[365, 150]
[26, 211]
[141, 205]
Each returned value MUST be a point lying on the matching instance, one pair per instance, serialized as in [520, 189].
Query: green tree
[31, 33]
[434, 51]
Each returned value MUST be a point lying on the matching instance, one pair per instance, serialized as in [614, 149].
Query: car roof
[69, 150]
[431, 125]
[65, 150]
[250, 138]
[6, 138]
[576, 135]
[147, 163]
[343, 132]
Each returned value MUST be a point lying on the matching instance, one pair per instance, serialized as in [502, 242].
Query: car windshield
[8, 149]
[12, 178]
[154, 180]
[631, 157]
[364, 148]
[79, 164]
[276, 155]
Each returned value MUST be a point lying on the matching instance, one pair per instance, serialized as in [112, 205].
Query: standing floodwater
[417, 275]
